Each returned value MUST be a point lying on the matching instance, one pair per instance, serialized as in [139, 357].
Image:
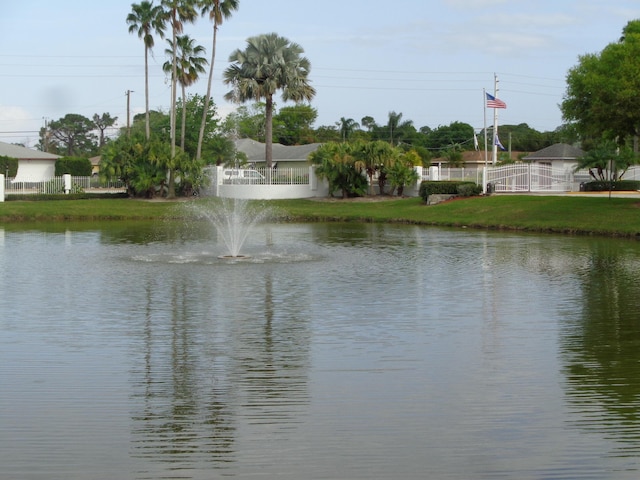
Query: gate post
[1, 187]
[484, 180]
[66, 178]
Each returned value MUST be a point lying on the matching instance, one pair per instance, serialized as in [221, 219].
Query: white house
[33, 165]
[283, 155]
[560, 156]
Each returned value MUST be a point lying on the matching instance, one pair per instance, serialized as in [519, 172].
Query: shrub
[448, 188]
[76, 166]
[606, 185]
[469, 189]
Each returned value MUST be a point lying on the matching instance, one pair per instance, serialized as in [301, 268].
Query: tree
[178, 12]
[347, 127]
[446, 136]
[193, 107]
[268, 64]
[218, 10]
[8, 166]
[337, 164]
[102, 123]
[394, 124]
[292, 125]
[375, 156]
[145, 19]
[402, 173]
[72, 135]
[190, 64]
[607, 161]
[603, 91]
[369, 123]
[127, 159]
[246, 122]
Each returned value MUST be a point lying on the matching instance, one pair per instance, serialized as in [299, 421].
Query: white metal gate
[529, 177]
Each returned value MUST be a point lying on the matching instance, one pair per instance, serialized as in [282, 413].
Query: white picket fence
[56, 185]
[302, 182]
[522, 177]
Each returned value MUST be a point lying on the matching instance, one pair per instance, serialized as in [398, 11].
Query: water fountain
[233, 219]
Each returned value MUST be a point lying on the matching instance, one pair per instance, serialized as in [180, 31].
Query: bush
[469, 189]
[462, 188]
[76, 166]
[606, 185]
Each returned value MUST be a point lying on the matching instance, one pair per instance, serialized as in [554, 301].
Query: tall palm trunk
[171, 192]
[147, 128]
[183, 130]
[268, 136]
[203, 123]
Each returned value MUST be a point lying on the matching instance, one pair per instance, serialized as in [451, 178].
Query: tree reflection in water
[601, 348]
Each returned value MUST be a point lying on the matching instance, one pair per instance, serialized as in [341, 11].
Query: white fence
[302, 182]
[264, 184]
[522, 177]
[57, 185]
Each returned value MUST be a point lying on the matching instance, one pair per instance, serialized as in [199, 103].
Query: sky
[429, 60]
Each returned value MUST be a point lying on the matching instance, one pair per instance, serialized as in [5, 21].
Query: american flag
[493, 102]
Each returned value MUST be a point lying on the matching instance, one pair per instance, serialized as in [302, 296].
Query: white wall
[35, 170]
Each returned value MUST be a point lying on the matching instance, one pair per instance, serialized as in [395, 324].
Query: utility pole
[128, 94]
[494, 156]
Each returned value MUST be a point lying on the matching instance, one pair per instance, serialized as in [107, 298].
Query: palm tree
[268, 64]
[218, 10]
[393, 124]
[177, 12]
[144, 19]
[347, 126]
[190, 64]
[375, 156]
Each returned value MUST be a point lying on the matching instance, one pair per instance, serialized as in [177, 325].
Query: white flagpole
[486, 155]
[494, 157]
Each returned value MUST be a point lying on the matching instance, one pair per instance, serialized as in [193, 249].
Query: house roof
[255, 151]
[558, 151]
[23, 153]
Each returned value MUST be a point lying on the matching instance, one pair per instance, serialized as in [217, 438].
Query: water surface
[336, 351]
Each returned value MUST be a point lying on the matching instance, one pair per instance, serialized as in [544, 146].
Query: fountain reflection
[208, 365]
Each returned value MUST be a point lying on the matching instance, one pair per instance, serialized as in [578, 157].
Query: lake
[335, 351]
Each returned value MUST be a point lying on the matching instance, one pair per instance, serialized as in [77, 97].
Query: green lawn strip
[562, 214]
[103, 209]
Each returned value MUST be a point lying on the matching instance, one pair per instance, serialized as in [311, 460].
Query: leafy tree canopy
[603, 90]
[71, 135]
[293, 125]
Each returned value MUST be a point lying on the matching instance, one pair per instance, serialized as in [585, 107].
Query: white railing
[56, 185]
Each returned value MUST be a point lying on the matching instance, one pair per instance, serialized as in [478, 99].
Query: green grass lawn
[563, 214]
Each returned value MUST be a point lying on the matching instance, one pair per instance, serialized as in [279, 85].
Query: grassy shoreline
[595, 215]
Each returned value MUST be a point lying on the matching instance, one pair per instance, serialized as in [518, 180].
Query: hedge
[462, 188]
[606, 185]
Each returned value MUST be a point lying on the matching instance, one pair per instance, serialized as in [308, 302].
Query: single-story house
[33, 165]
[560, 156]
[283, 155]
[95, 164]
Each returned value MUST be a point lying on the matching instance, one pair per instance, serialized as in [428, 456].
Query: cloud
[17, 125]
